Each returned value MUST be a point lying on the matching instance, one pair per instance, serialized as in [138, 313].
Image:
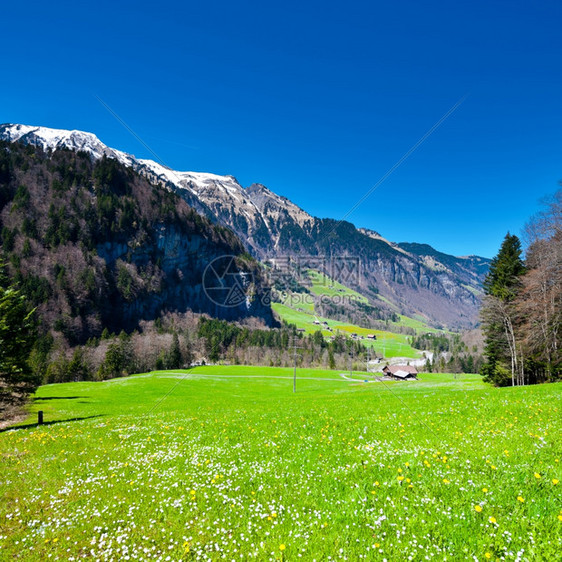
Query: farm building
[401, 372]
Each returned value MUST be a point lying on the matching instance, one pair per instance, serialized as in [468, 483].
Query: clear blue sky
[316, 100]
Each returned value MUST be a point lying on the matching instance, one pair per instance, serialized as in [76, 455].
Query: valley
[298, 308]
[280, 282]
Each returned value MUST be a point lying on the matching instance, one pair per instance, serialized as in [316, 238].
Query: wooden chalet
[401, 372]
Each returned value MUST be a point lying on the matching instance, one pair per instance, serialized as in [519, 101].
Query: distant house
[200, 362]
[372, 336]
[401, 372]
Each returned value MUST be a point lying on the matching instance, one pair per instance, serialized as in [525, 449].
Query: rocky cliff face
[415, 278]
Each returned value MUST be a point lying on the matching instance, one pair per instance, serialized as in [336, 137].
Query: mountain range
[409, 278]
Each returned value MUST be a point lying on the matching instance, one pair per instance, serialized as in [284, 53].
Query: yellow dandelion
[400, 478]
[554, 481]
[487, 556]
[377, 545]
[484, 490]
[446, 481]
[537, 475]
[520, 499]
[281, 547]
[478, 508]
[493, 520]
[560, 518]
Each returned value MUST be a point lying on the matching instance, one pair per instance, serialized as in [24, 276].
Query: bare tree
[540, 301]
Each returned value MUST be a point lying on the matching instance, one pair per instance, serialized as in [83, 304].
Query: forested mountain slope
[93, 244]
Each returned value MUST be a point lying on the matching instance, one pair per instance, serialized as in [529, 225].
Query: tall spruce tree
[17, 334]
[174, 354]
[498, 315]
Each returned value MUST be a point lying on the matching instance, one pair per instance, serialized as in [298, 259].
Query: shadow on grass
[38, 398]
[31, 425]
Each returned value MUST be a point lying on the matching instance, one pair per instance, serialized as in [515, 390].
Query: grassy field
[322, 284]
[226, 462]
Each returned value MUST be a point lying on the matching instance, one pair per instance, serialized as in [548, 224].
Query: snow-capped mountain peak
[221, 197]
[54, 139]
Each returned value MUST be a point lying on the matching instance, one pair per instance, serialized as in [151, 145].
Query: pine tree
[17, 333]
[498, 314]
[331, 360]
[173, 360]
[503, 279]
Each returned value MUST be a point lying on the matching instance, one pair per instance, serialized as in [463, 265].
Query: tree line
[449, 353]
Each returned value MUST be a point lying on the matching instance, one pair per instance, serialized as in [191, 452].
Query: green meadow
[228, 463]
[387, 344]
[322, 284]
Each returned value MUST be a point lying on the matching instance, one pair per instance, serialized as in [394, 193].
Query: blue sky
[316, 100]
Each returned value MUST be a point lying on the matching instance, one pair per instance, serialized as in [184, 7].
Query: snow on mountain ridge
[48, 138]
[248, 211]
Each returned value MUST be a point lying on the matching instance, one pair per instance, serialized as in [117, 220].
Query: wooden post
[40, 417]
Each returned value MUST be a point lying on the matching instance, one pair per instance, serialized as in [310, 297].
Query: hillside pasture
[387, 344]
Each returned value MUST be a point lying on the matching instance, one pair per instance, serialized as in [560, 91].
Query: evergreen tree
[498, 314]
[17, 333]
[503, 279]
[173, 360]
[331, 360]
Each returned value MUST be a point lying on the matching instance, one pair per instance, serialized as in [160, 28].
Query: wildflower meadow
[228, 463]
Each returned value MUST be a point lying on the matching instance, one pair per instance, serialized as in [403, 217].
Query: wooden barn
[401, 372]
